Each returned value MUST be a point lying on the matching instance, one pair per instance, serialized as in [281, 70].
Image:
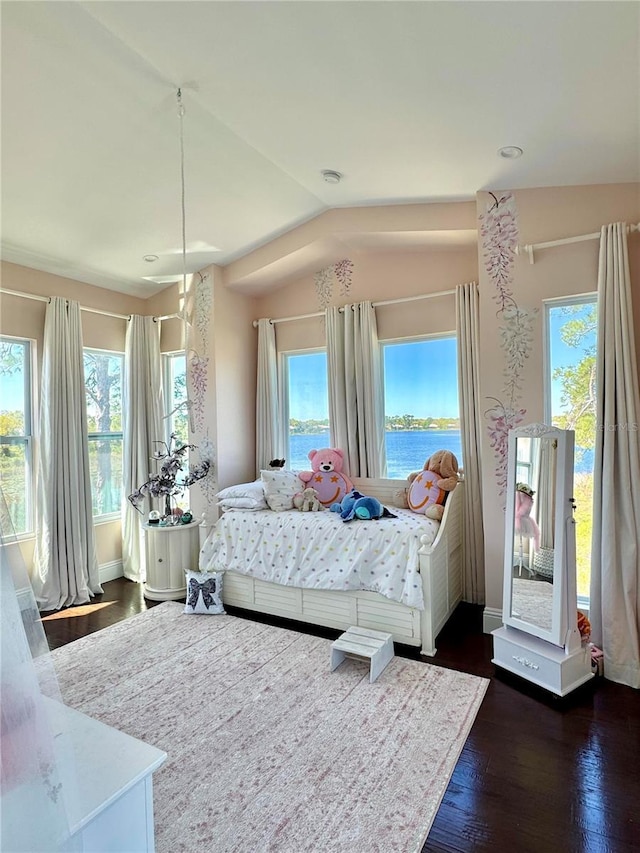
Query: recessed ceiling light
[510, 152]
[331, 176]
[150, 258]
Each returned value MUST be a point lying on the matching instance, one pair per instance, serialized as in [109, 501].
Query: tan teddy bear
[307, 501]
[445, 465]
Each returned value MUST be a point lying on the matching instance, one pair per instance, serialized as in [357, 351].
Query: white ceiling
[409, 100]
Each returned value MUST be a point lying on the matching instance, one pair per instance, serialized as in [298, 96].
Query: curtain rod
[127, 317]
[375, 305]
[530, 248]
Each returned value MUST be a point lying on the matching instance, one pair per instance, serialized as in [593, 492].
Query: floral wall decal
[499, 232]
[323, 281]
[342, 272]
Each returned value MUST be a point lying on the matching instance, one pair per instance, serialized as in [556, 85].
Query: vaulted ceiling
[409, 101]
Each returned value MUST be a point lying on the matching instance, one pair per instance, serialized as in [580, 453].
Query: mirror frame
[564, 602]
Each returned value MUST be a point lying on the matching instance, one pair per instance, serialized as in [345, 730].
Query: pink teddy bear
[327, 477]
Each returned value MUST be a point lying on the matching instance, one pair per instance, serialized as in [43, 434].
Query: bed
[413, 604]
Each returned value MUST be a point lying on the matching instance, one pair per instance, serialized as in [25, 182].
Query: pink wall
[540, 215]
[378, 276]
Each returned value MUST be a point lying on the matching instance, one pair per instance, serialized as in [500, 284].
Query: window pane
[308, 407]
[105, 465]
[175, 394]
[420, 403]
[15, 430]
[103, 387]
[103, 384]
[14, 479]
[572, 359]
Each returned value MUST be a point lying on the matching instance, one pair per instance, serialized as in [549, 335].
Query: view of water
[406, 451]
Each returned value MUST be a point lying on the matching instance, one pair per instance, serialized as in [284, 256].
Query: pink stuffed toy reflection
[526, 526]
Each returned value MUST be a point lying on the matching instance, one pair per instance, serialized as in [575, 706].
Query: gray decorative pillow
[204, 593]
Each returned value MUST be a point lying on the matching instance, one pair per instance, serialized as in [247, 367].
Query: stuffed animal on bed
[307, 501]
[428, 489]
[327, 477]
[355, 505]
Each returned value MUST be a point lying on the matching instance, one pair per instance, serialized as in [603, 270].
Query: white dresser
[170, 552]
[106, 783]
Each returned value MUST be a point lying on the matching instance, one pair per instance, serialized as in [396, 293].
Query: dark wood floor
[537, 774]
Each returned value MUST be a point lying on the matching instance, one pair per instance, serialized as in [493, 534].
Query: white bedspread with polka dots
[321, 551]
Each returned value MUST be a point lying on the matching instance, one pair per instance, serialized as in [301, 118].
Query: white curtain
[65, 562]
[269, 435]
[615, 556]
[356, 404]
[468, 341]
[142, 426]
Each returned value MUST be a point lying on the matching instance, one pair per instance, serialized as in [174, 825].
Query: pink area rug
[269, 750]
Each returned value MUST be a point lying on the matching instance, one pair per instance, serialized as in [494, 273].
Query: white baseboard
[491, 619]
[111, 571]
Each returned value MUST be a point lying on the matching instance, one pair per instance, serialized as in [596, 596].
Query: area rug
[269, 750]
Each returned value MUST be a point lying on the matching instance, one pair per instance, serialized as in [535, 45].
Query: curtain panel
[615, 553]
[356, 404]
[468, 344]
[142, 426]
[271, 415]
[65, 561]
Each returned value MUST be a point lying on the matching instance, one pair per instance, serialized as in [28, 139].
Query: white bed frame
[440, 568]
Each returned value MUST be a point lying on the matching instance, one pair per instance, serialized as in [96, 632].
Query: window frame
[28, 439]
[108, 517]
[414, 339]
[166, 385]
[283, 392]
[589, 298]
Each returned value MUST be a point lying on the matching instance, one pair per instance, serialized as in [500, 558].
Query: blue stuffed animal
[355, 505]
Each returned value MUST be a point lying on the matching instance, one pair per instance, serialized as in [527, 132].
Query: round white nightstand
[170, 552]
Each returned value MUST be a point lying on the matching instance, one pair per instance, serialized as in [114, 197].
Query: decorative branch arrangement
[165, 483]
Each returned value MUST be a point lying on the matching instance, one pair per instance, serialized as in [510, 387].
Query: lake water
[406, 451]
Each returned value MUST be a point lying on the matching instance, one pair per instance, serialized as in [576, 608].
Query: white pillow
[253, 490]
[243, 503]
[280, 487]
[204, 593]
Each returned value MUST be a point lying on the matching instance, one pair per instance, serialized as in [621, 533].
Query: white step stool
[363, 644]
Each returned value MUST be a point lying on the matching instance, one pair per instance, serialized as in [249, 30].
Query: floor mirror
[539, 639]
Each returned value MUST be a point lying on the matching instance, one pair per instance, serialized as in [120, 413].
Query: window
[307, 406]
[570, 403]
[175, 393]
[103, 388]
[420, 402]
[16, 439]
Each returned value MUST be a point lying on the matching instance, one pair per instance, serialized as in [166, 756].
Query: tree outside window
[103, 387]
[571, 400]
[16, 440]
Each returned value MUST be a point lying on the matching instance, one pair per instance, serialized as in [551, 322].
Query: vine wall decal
[199, 367]
[342, 272]
[499, 232]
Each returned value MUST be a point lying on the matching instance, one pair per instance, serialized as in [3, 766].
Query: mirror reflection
[533, 530]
